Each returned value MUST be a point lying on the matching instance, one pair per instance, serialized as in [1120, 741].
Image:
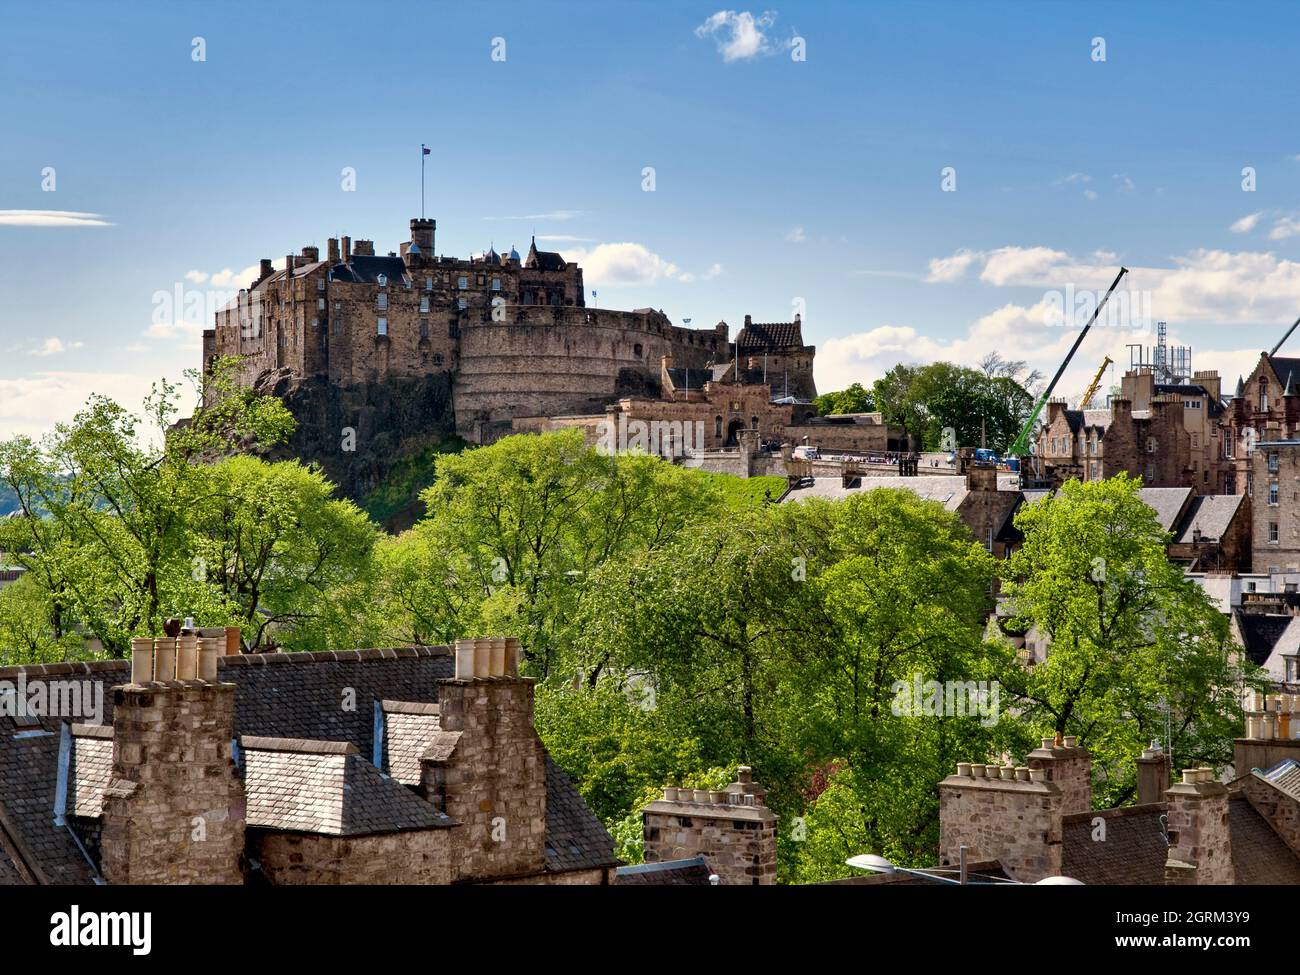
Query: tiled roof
[366, 269]
[1285, 776]
[1166, 502]
[575, 838]
[1259, 856]
[408, 730]
[670, 873]
[1261, 632]
[760, 336]
[327, 787]
[1211, 513]
[327, 696]
[89, 769]
[948, 491]
[1133, 851]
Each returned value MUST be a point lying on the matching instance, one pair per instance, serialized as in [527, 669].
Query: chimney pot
[1071, 741]
[464, 659]
[670, 793]
[164, 666]
[141, 660]
[187, 657]
[963, 769]
[978, 770]
[1189, 776]
[209, 650]
[497, 657]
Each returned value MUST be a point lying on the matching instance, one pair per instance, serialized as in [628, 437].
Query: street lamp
[878, 864]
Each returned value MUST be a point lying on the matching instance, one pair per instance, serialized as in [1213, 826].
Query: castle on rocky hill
[513, 337]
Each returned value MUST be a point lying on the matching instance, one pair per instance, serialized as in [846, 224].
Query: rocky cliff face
[360, 434]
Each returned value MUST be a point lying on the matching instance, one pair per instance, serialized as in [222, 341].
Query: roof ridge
[308, 746]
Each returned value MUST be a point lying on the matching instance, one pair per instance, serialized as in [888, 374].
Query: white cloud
[53, 346]
[51, 218]
[1246, 224]
[950, 268]
[32, 404]
[1285, 226]
[713, 271]
[228, 278]
[796, 235]
[1124, 183]
[558, 215]
[610, 265]
[563, 239]
[739, 36]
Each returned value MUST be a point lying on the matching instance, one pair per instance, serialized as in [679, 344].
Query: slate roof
[694, 872]
[278, 695]
[408, 729]
[1260, 632]
[1283, 366]
[1259, 856]
[683, 378]
[326, 787]
[89, 769]
[364, 269]
[1133, 852]
[948, 491]
[1212, 514]
[1285, 776]
[760, 336]
[1166, 502]
[1215, 406]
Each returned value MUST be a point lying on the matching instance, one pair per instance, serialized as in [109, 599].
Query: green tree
[854, 399]
[1136, 650]
[105, 500]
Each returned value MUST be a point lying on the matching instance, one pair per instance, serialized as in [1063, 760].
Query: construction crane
[1020, 446]
[1284, 338]
[1086, 399]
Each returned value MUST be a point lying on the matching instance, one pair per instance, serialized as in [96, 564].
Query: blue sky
[776, 180]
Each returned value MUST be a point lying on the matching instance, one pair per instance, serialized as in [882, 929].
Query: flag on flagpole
[425, 148]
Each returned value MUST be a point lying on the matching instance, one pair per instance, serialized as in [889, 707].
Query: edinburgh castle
[498, 337]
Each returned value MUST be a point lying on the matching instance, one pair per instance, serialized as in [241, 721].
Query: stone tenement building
[513, 335]
[1036, 821]
[408, 766]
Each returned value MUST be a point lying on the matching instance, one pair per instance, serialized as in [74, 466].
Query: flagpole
[422, 154]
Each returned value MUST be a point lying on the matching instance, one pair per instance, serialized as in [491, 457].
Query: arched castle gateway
[513, 334]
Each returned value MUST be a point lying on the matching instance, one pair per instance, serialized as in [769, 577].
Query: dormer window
[382, 280]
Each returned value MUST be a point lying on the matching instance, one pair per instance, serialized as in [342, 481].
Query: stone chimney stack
[265, 269]
[347, 249]
[364, 248]
[981, 477]
[1200, 844]
[333, 250]
[311, 255]
[486, 768]
[731, 828]
[1070, 767]
[174, 806]
[1010, 814]
[1152, 775]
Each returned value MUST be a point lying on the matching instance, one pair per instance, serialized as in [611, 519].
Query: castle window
[320, 304]
[462, 282]
[381, 301]
[1272, 493]
[381, 327]
[717, 426]
[424, 305]
[1272, 532]
[1272, 462]
[428, 284]
[437, 358]
[496, 284]
[636, 350]
[753, 421]
[320, 284]
[424, 328]
[315, 323]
